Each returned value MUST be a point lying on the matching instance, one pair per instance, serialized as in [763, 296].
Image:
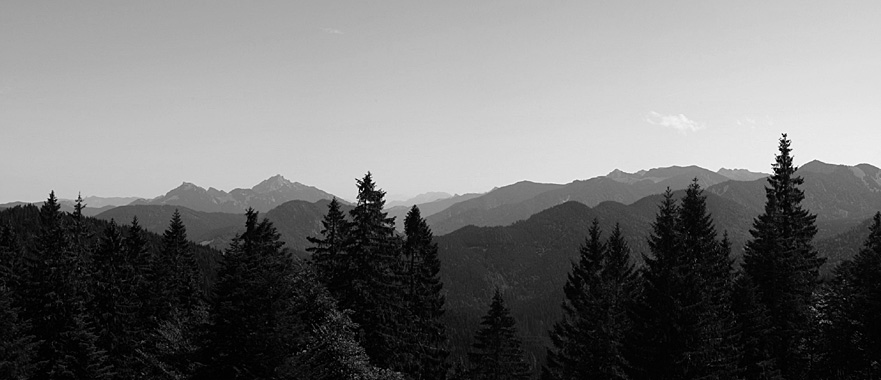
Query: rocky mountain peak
[271, 184]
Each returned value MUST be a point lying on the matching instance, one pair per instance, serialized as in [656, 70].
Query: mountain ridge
[262, 197]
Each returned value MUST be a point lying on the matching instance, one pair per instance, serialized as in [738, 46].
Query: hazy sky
[131, 98]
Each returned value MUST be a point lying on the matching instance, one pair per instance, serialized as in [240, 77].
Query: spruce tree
[497, 353]
[852, 338]
[664, 313]
[684, 324]
[714, 271]
[54, 305]
[271, 318]
[375, 292]
[139, 256]
[589, 340]
[329, 253]
[175, 301]
[243, 340]
[114, 304]
[175, 273]
[782, 262]
[423, 299]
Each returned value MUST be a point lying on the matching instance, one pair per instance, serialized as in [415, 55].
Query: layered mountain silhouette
[842, 196]
[419, 199]
[522, 238]
[263, 197]
[741, 174]
[294, 220]
[521, 200]
[530, 258]
[426, 209]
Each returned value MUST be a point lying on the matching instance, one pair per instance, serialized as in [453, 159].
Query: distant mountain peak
[817, 166]
[657, 175]
[263, 197]
[741, 174]
[188, 186]
[274, 183]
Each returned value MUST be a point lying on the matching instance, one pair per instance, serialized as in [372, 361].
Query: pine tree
[375, 292]
[684, 325]
[139, 257]
[589, 340]
[243, 340]
[497, 353]
[271, 318]
[666, 305]
[175, 273]
[714, 271]
[54, 305]
[784, 266]
[329, 254]
[424, 300]
[852, 338]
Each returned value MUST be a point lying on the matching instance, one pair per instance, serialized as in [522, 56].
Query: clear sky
[131, 98]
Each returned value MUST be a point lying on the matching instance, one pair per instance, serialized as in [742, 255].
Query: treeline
[81, 304]
[688, 314]
[118, 303]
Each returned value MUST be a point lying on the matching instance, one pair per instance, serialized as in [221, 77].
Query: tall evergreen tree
[714, 271]
[114, 304]
[175, 273]
[243, 340]
[423, 300]
[589, 340]
[666, 306]
[329, 254]
[271, 319]
[782, 262]
[497, 353]
[139, 256]
[852, 338]
[375, 286]
[684, 327]
[55, 307]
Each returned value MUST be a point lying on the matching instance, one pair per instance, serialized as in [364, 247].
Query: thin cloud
[752, 123]
[332, 31]
[678, 122]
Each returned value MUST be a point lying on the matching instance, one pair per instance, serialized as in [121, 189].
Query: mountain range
[521, 238]
[263, 197]
[421, 198]
[518, 201]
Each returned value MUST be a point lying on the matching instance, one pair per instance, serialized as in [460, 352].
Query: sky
[132, 98]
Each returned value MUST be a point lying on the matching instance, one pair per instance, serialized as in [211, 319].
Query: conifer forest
[87, 298]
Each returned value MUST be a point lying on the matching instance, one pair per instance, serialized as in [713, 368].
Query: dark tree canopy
[497, 353]
[589, 341]
[683, 327]
[852, 338]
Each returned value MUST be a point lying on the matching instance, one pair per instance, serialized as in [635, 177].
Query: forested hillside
[688, 284]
